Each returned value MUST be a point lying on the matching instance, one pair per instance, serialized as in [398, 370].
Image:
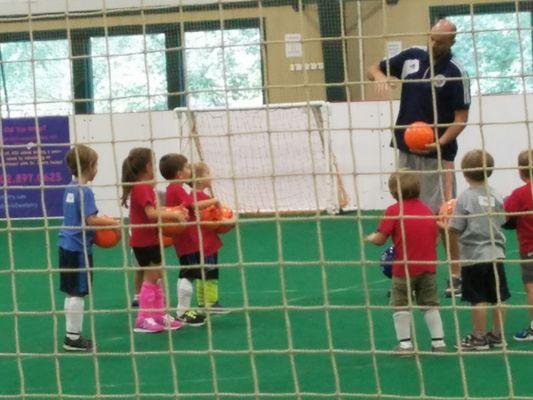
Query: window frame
[214, 25]
[82, 64]
[439, 12]
[13, 37]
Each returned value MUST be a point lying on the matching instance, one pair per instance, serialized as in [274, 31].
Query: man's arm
[451, 133]
[383, 83]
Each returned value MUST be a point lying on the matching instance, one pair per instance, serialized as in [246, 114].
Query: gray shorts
[435, 187]
[527, 268]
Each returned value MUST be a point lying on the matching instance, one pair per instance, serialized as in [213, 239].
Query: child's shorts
[75, 283]
[147, 256]
[424, 287]
[210, 267]
[479, 283]
[527, 268]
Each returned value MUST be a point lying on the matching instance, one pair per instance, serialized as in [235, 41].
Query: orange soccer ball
[211, 214]
[227, 223]
[170, 226]
[446, 210]
[167, 241]
[418, 135]
[107, 238]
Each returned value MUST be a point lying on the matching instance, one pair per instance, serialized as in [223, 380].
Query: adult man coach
[429, 77]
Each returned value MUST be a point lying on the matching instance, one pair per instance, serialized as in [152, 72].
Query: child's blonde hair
[525, 164]
[200, 169]
[477, 164]
[80, 159]
[405, 183]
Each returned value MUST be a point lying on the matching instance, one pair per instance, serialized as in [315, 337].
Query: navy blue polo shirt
[416, 102]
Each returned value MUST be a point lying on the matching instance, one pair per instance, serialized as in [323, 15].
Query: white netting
[290, 127]
[275, 158]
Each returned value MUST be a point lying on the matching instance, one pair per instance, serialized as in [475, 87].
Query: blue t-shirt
[452, 93]
[74, 210]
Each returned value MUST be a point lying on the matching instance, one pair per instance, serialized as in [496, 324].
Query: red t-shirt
[420, 237]
[188, 242]
[519, 201]
[141, 196]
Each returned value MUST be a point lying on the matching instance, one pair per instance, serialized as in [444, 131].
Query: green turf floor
[303, 348]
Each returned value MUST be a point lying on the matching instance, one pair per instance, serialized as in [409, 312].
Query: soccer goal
[275, 158]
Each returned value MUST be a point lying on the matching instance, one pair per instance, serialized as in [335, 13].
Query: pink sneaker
[147, 325]
[169, 322]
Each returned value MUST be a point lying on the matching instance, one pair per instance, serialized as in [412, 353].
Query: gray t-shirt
[474, 224]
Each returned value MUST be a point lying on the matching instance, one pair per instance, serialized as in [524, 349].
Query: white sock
[402, 325]
[434, 323]
[184, 295]
[74, 316]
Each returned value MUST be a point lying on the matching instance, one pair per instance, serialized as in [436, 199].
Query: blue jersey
[74, 212]
[452, 92]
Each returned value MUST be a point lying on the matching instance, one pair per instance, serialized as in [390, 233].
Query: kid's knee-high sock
[200, 292]
[434, 324]
[211, 292]
[74, 316]
[160, 304]
[184, 295]
[402, 325]
[147, 300]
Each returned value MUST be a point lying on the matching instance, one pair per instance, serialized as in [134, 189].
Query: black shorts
[75, 283]
[210, 268]
[479, 283]
[147, 256]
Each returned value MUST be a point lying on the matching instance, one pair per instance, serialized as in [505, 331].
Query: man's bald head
[442, 38]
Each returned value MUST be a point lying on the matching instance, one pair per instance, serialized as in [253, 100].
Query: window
[35, 83]
[495, 69]
[223, 68]
[126, 77]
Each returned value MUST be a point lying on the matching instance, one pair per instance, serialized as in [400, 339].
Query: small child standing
[76, 241]
[137, 180]
[175, 167]
[521, 201]
[476, 227]
[207, 287]
[413, 229]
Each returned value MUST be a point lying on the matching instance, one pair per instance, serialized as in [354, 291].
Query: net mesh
[274, 96]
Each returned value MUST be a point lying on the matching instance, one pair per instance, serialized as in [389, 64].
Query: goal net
[275, 158]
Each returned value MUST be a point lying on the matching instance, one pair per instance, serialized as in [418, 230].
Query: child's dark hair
[408, 184]
[171, 164]
[477, 165]
[525, 164]
[133, 166]
[80, 159]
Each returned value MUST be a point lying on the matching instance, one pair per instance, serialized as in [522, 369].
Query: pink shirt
[420, 237]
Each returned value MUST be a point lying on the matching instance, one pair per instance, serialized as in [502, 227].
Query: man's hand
[382, 82]
[383, 87]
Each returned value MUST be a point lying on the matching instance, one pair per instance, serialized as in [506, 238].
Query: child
[207, 287]
[75, 242]
[521, 200]
[481, 242]
[417, 235]
[137, 179]
[187, 244]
